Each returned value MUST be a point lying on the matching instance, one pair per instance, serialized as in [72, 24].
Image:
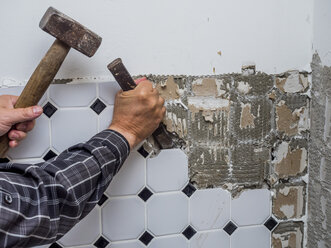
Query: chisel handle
[126, 82]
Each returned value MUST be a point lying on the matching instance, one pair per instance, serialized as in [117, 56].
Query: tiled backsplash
[150, 202]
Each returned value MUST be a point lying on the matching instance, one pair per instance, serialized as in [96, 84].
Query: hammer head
[70, 32]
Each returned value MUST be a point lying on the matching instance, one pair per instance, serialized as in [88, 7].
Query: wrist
[131, 138]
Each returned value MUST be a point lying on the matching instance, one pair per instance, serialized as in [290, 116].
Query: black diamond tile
[4, 160]
[146, 238]
[102, 200]
[145, 194]
[271, 223]
[143, 152]
[50, 154]
[101, 242]
[98, 106]
[189, 190]
[49, 109]
[189, 232]
[230, 228]
[55, 245]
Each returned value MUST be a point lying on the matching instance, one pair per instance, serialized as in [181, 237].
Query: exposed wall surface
[163, 37]
[242, 131]
[319, 198]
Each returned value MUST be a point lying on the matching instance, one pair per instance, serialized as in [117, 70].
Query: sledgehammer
[68, 33]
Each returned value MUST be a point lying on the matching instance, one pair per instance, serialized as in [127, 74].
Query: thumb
[23, 114]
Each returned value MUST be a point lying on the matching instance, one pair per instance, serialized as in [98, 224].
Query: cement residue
[319, 188]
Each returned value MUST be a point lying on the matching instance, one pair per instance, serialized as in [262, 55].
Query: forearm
[49, 198]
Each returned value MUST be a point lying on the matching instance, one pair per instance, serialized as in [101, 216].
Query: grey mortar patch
[319, 188]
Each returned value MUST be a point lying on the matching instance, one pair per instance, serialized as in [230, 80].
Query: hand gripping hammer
[68, 33]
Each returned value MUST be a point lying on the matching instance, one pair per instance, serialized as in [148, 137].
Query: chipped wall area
[244, 131]
[319, 197]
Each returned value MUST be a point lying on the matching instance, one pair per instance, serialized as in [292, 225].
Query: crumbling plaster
[319, 188]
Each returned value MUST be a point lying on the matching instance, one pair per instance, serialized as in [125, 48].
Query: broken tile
[288, 234]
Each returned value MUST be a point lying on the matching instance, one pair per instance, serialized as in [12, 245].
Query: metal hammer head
[70, 32]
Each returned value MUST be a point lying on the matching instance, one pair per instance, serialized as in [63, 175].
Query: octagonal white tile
[105, 118]
[131, 177]
[210, 208]
[168, 171]
[36, 142]
[169, 241]
[85, 232]
[251, 237]
[107, 91]
[214, 239]
[167, 213]
[16, 91]
[123, 218]
[252, 207]
[69, 127]
[130, 244]
[72, 95]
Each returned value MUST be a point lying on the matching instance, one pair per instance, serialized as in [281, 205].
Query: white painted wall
[322, 30]
[163, 37]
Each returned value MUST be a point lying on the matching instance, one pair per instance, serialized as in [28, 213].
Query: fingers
[145, 85]
[139, 80]
[26, 126]
[13, 143]
[18, 115]
[16, 135]
[13, 99]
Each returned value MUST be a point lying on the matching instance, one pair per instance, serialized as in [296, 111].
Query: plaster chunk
[243, 87]
[196, 104]
[247, 118]
[294, 83]
[289, 205]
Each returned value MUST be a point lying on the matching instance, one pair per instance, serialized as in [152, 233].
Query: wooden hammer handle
[39, 82]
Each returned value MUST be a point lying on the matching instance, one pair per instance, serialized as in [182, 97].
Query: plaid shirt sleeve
[39, 203]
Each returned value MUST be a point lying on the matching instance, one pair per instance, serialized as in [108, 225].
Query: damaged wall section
[319, 197]
[244, 131]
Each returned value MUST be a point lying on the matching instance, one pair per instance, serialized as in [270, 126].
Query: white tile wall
[169, 217]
